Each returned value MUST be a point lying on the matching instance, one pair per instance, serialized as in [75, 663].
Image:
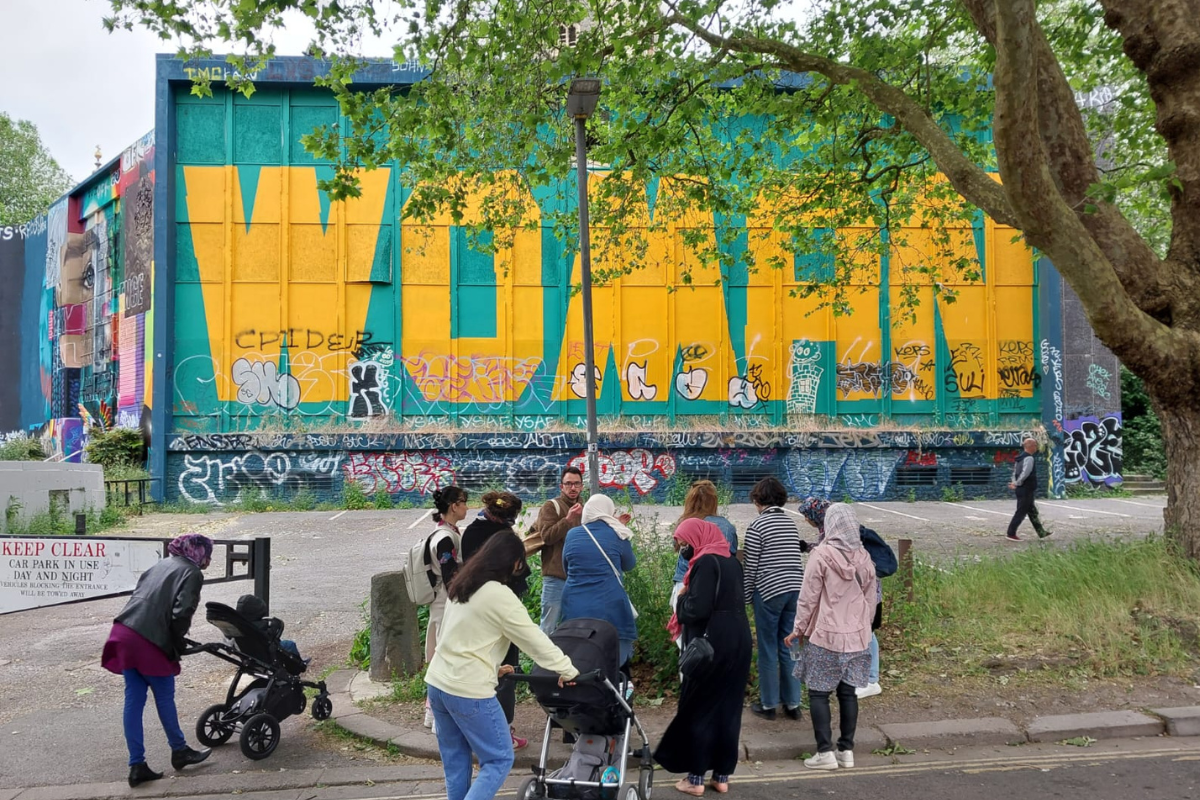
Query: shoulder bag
[613, 567]
[699, 651]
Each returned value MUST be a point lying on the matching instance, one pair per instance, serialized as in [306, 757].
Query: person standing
[701, 503]
[498, 515]
[548, 536]
[445, 546]
[704, 734]
[146, 643]
[1024, 483]
[774, 571]
[834, 614]
[595, 556]
[484, 619]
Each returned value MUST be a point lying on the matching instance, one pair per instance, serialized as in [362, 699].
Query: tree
[868, 113]
[30, 179]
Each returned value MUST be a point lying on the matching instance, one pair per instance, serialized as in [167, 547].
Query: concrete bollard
[396, 647]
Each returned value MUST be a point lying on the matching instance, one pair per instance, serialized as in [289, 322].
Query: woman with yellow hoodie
[483, 618]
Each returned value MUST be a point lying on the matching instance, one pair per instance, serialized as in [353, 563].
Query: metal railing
[126, 491]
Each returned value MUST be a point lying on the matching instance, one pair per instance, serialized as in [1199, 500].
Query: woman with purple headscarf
[146, 643]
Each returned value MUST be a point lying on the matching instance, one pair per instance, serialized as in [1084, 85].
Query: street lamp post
[581, 102]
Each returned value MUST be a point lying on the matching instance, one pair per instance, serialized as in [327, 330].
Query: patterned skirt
[822, 670]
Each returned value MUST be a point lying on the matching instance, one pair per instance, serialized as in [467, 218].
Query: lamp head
[583, 96]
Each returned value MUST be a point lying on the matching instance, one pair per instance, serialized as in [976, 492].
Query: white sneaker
[428, 718]
[870, 690]
[821, 761]
[845, 758]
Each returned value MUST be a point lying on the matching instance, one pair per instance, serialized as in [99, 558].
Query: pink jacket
[837, 599]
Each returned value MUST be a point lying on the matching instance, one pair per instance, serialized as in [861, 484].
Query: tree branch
[971, 181]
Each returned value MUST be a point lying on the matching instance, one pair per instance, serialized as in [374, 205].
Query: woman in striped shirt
[774, 571]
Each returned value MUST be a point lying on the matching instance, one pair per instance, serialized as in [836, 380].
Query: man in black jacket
[1024, 483]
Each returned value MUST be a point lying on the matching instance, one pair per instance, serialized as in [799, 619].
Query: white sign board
[45, 571]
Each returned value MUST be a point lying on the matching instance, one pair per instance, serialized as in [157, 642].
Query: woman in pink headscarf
[146, 643]
[704, 734]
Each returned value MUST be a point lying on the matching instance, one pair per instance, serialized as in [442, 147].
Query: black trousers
[818, 709]
[507, 692]
[1025, 507]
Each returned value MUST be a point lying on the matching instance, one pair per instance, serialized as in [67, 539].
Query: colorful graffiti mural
[344, 311]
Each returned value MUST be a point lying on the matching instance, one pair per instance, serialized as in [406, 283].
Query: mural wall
[85, 314]
[292, 307]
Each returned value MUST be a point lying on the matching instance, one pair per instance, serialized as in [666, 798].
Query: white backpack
[419, 579]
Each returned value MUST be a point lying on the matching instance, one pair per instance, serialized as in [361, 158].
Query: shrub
[116, 447]
[304, 500]
[953, 494]
[353, 496]
[382, 500]
[21, 447]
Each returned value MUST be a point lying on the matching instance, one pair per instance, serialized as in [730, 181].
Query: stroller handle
[595, 676]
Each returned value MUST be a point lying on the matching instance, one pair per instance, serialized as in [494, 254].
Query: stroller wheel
[260, 736]
[531, 789]
[628, 791]
[645, 783]
[212, 729]
[322, 707]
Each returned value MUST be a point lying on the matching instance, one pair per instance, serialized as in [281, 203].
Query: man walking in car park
[1024, 483]
[554, 520]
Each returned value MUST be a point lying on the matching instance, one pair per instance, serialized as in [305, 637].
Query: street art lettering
[367, 396]
[693, 352]
[1092, 450]
[217, 73]
[1015, 367]
[396, 473]
[260, 384]
[1098, 381]
[741, 393]
[635, 376]
[916, 458]
[861, 474]
[477, 379]
[690, 382]
[621, 469]
[138, 217]
[358, 343]
[217, 480]
[965, 374]
[578, 379]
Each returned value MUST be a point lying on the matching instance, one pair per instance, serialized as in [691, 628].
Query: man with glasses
[554, 520]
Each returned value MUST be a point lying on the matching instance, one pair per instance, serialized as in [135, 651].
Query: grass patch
[1101, 609]
[56, 522]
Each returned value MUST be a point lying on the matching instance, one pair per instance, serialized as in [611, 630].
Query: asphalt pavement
[60, 722]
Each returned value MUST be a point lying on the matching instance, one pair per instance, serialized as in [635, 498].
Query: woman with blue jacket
[596, 554]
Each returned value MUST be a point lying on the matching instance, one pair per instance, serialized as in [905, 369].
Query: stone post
[395, 634]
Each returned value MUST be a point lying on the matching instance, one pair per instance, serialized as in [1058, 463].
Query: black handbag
[699, 651]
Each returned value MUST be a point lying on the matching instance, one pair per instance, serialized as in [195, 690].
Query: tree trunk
[1181, 439]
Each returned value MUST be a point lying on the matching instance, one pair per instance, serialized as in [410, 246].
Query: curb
[760, 746]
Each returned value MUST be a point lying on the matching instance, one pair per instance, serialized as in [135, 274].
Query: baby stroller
[275, 693]
[595, 709]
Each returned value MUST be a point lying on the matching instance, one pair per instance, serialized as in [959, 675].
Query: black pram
[275, 693]
[596, 710]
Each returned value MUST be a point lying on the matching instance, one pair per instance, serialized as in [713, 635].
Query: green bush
[1141, 433]
[953, 494]
[21, 447]
[116, 448]
[382, 500]
[353, 496]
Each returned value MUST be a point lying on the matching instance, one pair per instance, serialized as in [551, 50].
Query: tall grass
[1100, 608]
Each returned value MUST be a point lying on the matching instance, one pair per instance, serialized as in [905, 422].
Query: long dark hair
[493, 562]
[444, 498]
[502, 507]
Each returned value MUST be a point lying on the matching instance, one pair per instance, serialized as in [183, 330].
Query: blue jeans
[873, 675]
[773, 621]
[551, 603]
[163, 687]
[465, 726]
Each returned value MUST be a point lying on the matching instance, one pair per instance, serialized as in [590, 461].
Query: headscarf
[195, 547]
[842, 528]
[814, 510]
[600, 507]
[705, 539]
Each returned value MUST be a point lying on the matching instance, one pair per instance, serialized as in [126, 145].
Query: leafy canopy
[30, 179]
[760, 113]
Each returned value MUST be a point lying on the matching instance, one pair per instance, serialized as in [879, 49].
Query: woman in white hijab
[595, 556]
[834, 612]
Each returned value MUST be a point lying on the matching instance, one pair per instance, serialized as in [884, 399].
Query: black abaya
[708, 723]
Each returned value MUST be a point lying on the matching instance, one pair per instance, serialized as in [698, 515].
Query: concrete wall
[217, 469]
[32, 484]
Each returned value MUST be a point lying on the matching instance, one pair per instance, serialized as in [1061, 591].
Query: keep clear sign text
[43, 572]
